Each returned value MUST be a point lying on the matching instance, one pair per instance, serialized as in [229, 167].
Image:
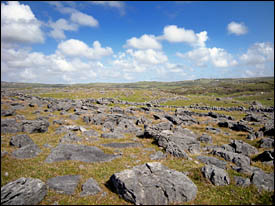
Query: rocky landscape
[108, 150]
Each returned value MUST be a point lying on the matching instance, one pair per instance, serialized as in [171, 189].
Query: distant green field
[200, 91]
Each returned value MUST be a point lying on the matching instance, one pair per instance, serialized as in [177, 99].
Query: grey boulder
[263, 181]
[154, 184]
[212, 161]
[10, 126]
[216, 175]
[267, 142]
[241, 181]
[90, 187]
[23, 191]
[21, 140]
[238, 159]
[35, 126]
[243, 147]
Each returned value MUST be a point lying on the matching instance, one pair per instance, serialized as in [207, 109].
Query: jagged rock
[28, 151]
[64, 184]
[238, 159]
[268, 129]
[175, 144]
[66, 106]
[154, 184]
[126, 126]
[212, 161]
[225, 124]
[35, 126]
[150, 131]
[241, 127]
[241, 181]
[90, 187]
[228, 147]
[263, 181]
[23, 191]
[21, 140]
[265, 156]
[246, 169]
[158, 116]
[117, 110]
[110, 125]
[82, 153]
[123, 145]
[173, 119]
[216, 175]
[205, 138]
[251, 136]
[10, 126]
[143, 120]
[252, 118]
[158, 156]
[243, 148]
[267, 142]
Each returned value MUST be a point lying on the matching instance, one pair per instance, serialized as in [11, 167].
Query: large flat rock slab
[154, 184]
[82, 153]
[23, 191]
[64, 184]
[28, 151]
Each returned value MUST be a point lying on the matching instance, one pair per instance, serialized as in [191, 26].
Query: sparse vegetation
[233, 93]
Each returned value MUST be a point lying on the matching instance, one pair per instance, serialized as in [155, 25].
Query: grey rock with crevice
[154, 184]
[23, 191]
[216, 175]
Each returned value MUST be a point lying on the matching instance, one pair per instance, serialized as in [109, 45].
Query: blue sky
[83, 42]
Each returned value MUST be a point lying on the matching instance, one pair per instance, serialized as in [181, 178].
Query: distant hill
[199, 86]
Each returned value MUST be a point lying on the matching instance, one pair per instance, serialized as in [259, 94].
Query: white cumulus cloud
[19, 25]
[258, 54]
[84, 19]
[237, 28]
[202, 56]
[148, 56]
[175, 34]
[144, 42]
[77, 48]
[59, 27]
